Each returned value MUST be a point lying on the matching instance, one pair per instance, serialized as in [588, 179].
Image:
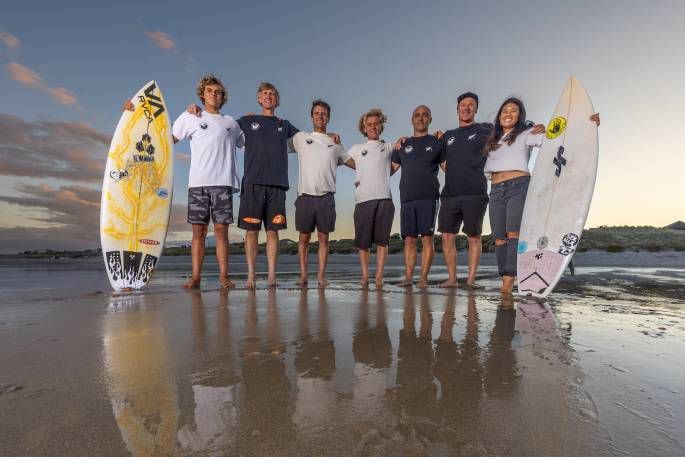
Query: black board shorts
[315, 212]
[466, 209]
[210, 201]
[418, 217]
[262, 205]
[373, 222]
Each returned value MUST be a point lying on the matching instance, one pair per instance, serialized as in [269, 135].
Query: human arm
[538, 129]
[443, 165]
[194, 109]
[398, 144]
[595, 118]
[394, 167]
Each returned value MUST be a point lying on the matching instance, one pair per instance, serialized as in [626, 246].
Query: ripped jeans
[506, 209]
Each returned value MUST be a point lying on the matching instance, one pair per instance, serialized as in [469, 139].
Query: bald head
[421, 119]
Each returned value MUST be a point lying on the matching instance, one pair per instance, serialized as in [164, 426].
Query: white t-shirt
[372, 161]
[513, 157]
[318, 158]
[213, 141]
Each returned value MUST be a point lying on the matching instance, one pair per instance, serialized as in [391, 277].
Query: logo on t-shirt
[203, 126]
[364, 152]
[228, 129]
[309, 141]
[331, 145]
[254, 125]
[280, 129]
[408, 149]
[472, 136]
[429, 148]
[450, 141]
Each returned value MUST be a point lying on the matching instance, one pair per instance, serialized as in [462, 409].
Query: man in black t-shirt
[464, 197]
[419, 157]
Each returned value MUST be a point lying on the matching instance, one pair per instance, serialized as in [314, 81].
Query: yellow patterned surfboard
[137, 191]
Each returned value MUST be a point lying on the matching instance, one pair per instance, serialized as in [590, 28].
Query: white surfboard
[559, 193]
[137, 191]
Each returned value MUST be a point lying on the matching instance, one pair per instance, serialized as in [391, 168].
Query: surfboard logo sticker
[522, 247]
[119, 175]
[543, 242]
[556, 127]
[162, 193]
[149, 242]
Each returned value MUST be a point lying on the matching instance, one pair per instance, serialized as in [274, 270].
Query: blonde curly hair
[373, 112]
[209, 80]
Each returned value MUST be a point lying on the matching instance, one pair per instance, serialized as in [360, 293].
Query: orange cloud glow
[161, 39]
[30, 78]
[10, 40]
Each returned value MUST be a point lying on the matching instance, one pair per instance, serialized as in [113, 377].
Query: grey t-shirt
[318, 158]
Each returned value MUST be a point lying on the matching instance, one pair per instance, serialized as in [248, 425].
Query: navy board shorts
[315, 212]
[262, 205]
[210, 201]
[373, 222]
[417, 217]
[468, 210]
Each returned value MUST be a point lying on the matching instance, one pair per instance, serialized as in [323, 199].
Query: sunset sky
[66, 69]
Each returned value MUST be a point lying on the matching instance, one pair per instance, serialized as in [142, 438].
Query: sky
[66, 68]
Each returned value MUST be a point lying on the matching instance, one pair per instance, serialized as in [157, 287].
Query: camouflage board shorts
[216, 201]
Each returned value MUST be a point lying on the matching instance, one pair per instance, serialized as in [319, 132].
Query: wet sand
[598, 370]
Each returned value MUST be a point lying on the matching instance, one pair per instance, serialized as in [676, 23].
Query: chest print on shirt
[450, 141]
[364, 152]
[429, 148]
[280, 129]
[331, 145]
[254, 125]
[203, 126]
[472, 136]
[408, 149]
[309, 141]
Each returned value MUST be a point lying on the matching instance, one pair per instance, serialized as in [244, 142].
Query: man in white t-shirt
[213, 174]
[318, 157]
[374, 209]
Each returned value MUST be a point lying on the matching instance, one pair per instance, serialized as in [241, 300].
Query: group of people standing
[466, 155]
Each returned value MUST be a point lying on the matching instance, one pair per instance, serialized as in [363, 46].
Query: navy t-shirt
[266, 149]
[463, 150]
[420, 159]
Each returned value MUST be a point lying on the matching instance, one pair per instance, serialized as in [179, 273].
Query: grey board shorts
[210, 201]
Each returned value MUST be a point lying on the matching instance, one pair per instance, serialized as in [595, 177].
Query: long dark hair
[492, 143]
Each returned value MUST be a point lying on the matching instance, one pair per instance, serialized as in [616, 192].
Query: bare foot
[192, 283]
[322, 280]
[272, 282]
[379, 282]
[251, 283]
[406, 283]
[364, 281]
[226, 283]
[302, 281]
[449, 284]
[422, 284]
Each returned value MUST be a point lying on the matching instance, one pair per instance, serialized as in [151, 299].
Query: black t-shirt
[420, 159]
[463, 150]
[266, 149]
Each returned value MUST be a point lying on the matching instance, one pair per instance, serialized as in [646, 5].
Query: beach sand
[597, 370]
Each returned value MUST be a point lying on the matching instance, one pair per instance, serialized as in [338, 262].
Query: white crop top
[513, 157]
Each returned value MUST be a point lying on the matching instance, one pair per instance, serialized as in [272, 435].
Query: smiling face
[373, 127]
[466, 110]
[319, 118]
[509, 116]
[213, 96]
[268, 99]
[421, 119]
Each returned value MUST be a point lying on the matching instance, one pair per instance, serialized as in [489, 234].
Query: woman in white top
[508, 151]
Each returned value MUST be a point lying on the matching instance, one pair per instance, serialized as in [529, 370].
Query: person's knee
[305, 237]
[199, 231]
[427, 240]
[448, 240]
[220, 230]
[410, 241]
[322, 237]
[474, 239]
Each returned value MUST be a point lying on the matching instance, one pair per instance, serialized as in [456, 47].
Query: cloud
[30, 78]
[73, 215]
[161, 39]
[48, 149]
[10, 40]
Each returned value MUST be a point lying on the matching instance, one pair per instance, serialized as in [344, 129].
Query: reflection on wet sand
[214, 382]
[140, 375]
[464, 382]
[265, 423]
